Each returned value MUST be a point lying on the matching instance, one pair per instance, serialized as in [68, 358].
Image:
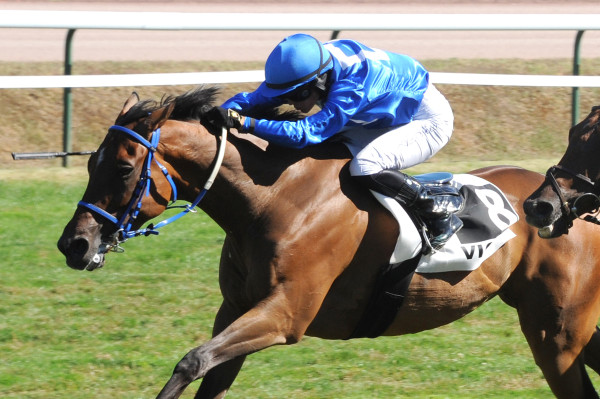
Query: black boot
[436, 205]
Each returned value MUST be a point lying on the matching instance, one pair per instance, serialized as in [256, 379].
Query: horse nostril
[543, 208]
[76, 248]
[79, 247]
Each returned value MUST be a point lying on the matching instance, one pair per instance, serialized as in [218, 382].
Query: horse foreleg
[218, 380]
[558, 348]
[261, 327]
[563, 369]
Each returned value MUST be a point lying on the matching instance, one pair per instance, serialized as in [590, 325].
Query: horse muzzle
[546, 216]
[553, 219]
[551, 230]
[83, 254]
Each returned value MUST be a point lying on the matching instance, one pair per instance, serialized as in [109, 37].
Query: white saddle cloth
[487, 217]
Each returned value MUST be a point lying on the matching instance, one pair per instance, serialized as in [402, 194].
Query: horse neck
[244, 182]
[236, 199]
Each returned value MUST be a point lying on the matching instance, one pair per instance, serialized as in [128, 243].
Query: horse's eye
[125, 169]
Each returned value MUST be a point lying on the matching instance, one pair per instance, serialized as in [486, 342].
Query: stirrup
[434, 178]
[437, 196]
[454, 224]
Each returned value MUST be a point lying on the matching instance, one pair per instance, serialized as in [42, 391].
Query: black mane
[188, 106]
[193, 104]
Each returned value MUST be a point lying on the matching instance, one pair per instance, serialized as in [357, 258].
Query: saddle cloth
[486, 214]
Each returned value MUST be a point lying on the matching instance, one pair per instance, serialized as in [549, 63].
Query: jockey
[380, 104]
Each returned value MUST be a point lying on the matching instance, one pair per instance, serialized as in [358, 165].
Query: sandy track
[96, 45]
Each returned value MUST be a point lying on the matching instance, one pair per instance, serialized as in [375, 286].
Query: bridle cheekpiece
[588, 202]
[124, 224]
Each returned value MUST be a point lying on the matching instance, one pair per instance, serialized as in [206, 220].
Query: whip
[17, 156]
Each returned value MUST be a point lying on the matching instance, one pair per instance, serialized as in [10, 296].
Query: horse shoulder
[315, 212]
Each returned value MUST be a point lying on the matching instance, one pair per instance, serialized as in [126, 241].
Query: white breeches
[401, 147]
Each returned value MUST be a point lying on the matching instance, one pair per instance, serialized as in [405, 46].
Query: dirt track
[48, 45]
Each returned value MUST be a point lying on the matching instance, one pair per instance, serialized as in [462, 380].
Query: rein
[125, 222]
[590, 201]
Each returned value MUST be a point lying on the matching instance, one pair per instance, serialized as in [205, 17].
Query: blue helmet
[297, 60]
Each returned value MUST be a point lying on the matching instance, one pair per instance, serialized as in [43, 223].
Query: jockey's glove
[220, 117]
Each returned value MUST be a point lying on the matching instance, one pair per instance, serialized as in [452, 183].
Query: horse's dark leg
[592, 352]
[276, 320]
[563, 368]
[256, 330]
[217, 381]
[557, 337]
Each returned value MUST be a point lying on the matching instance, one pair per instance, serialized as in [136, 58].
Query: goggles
[298, 94]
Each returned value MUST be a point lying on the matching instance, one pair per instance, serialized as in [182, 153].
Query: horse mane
[193, 105]
[592, 121]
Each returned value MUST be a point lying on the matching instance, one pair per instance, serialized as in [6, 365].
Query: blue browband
[125, 222]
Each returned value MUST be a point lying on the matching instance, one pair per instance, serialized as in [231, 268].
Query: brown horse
[305, 245]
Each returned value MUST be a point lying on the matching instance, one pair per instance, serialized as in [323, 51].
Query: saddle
[487, 216]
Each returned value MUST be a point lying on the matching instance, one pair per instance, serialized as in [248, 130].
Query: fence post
[575, 91]
[67, 101]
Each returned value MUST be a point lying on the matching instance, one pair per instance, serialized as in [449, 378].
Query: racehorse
[305, 245]
[571, 188]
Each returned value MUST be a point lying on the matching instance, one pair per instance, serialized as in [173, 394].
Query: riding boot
[435, 205]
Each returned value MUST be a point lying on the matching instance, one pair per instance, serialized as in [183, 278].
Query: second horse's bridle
[588, 202]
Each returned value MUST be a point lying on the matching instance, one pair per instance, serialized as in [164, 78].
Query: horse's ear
[131, 101]
[160, 116]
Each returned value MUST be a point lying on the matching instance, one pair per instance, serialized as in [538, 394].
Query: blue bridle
[125, 222]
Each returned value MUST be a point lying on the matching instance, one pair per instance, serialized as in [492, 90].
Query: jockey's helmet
[297, 60]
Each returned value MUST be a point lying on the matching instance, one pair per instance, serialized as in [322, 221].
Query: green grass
[118, 332]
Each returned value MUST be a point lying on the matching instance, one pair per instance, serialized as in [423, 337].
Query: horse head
[571, 188]
[114, 174]
[126, 186]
